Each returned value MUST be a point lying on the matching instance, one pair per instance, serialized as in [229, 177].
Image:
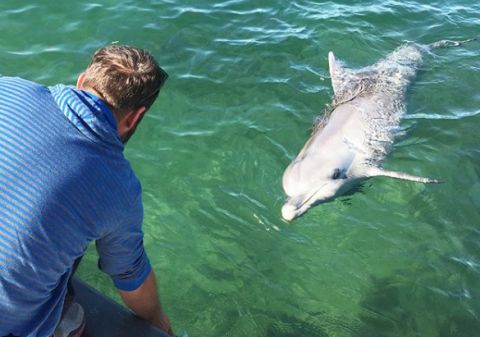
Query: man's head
[128, 79]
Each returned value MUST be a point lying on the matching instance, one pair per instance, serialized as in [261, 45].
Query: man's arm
[145, 303]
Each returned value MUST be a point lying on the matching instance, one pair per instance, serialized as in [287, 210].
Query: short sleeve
[122, 253]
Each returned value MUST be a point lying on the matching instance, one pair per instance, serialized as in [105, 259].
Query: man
[64, 182]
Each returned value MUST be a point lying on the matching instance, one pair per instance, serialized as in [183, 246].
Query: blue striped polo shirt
[64, 182]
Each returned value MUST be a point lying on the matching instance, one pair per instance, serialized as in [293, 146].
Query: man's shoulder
[19, 81]
[16, 86]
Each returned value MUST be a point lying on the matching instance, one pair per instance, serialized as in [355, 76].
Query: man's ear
[80, 80]
[127, 125]
[131, 120]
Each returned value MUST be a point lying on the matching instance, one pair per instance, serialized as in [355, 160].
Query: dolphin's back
[378, 93]
[395, 72]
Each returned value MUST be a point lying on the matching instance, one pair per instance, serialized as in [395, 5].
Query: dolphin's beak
[296, 206]
[289, 212]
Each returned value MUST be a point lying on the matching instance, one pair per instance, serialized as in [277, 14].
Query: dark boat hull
[106, 318]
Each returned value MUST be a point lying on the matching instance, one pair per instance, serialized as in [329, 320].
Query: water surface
[247, 79]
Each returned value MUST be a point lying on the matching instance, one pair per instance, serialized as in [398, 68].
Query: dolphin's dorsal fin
[337, 73]
[346, 83]
[373, 171]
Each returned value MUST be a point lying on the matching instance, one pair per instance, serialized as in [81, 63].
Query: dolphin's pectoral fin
[376, 172]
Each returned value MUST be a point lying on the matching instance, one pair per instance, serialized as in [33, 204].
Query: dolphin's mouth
[292, 210]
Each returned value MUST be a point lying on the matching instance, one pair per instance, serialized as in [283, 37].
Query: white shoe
[72, 323]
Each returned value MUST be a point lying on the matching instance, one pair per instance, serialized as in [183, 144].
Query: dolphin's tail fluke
[450, 43]
[377, 172]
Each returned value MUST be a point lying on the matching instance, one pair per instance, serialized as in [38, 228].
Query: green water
[247, 78]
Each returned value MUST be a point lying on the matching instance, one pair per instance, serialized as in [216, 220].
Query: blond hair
[125, 77]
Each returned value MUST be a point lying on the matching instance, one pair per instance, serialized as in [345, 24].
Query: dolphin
[357, 130]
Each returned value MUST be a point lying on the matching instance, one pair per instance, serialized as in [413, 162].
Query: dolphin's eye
[339, 174]
[336, 174]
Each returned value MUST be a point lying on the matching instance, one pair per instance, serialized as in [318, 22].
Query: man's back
[63, 183]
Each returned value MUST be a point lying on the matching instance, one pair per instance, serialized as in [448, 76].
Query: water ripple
[21, 10]
[457, 116]
[468, 262]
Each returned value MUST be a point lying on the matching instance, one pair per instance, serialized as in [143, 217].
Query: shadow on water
[408, 303]
[290, 326]
[263, 323]
[347, 197]
[403, 305]
[382, 311]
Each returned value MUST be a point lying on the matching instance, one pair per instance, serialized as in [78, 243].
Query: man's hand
[145, 303]
[163, 323]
